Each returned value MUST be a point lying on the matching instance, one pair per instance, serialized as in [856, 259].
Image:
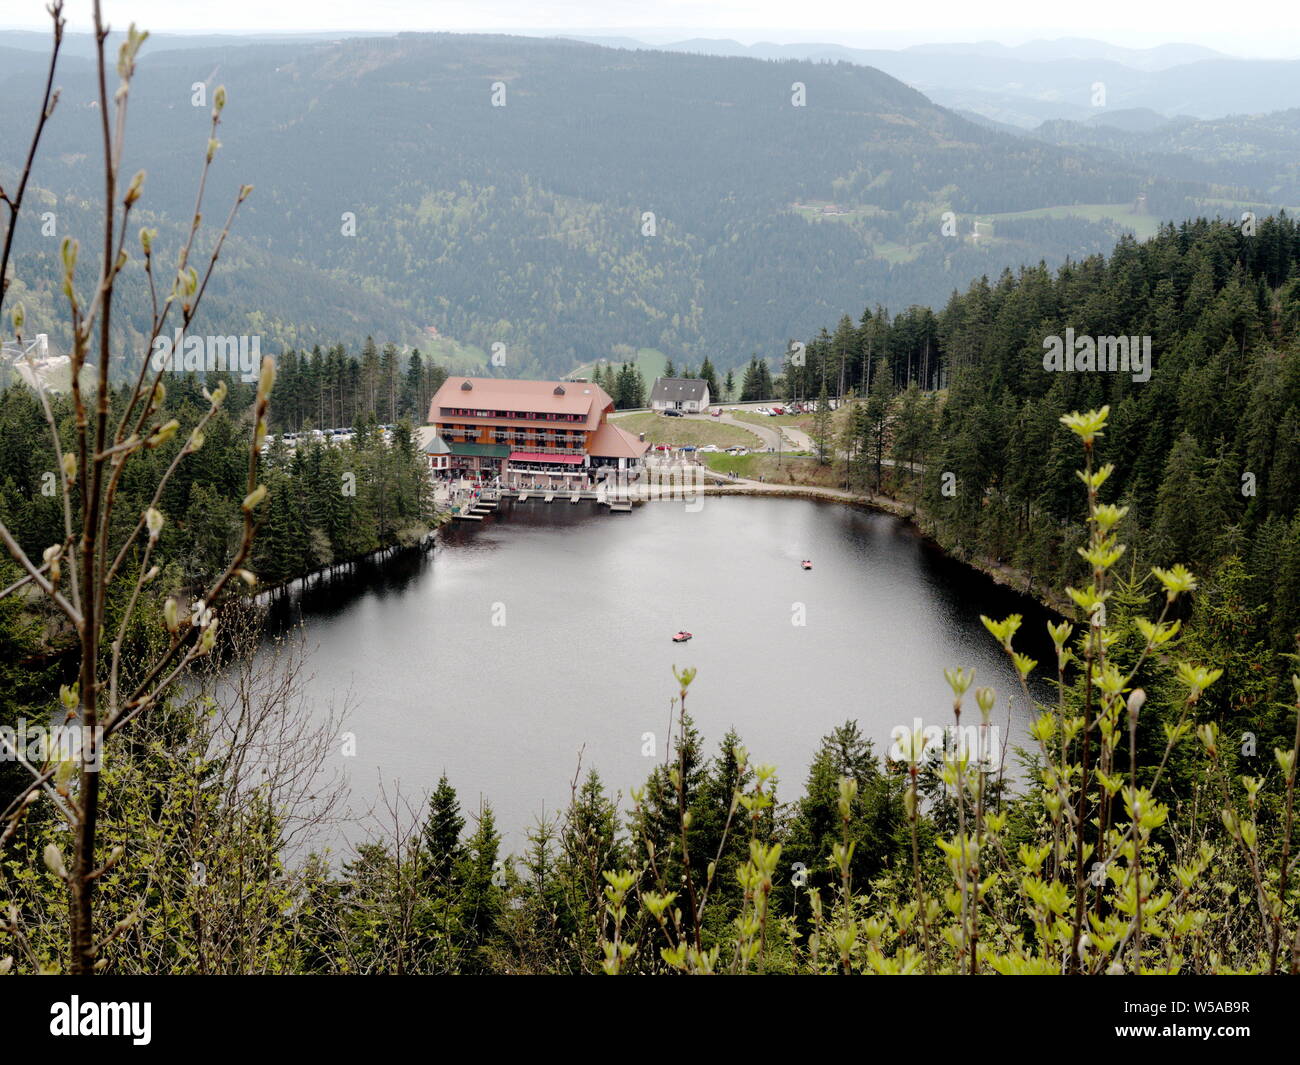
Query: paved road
[798, 440]
[769, 435]
[778, 436]
[801, 440]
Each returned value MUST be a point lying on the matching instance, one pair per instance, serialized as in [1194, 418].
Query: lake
[546, 631]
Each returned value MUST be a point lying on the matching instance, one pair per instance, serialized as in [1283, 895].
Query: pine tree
[588, 847]
[710, 378]
[441, 833]
[387, 412]
[1284, 475]
[843, 346]
[911, 431]
[821, 430]
[1176, 525]
[718, 815]
[877, 812]
[658, 821]
[1284, 626]
[413, 391]
[369, 379]
[281, 546]
[876, 418]
[481, 899]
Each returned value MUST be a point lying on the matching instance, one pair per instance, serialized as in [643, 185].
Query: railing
[539, 449]
[535, 444]
[521, 416]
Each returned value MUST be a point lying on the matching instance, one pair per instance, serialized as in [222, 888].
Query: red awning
[531, 456]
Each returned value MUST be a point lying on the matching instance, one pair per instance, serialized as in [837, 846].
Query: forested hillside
[327, 505]
[1206, 453]
[1247, 151]
[1138, 814]
[392, 198]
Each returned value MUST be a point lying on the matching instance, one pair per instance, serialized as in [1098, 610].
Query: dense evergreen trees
[1206, 452]
[757, 381]
[626, 386]
[330, 389]
[327, 504]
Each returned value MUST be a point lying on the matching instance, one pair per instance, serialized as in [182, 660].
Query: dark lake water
[545, 631]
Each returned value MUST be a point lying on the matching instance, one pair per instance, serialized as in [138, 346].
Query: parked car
[663, 447]
[716, 412]
[778, 410]
[673, 413]
[710, 449]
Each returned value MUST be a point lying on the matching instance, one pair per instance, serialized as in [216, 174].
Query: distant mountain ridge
[619, 200]
[1160, 57]
[1024, 85]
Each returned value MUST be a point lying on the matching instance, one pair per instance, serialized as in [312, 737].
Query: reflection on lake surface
[546, 631]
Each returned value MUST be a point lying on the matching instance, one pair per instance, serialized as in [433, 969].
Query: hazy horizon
[661, 22]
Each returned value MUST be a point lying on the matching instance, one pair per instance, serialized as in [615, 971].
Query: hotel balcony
[541, 449]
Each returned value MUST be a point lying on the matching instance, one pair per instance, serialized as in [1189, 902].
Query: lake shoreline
[438, 649]
[1012, 577]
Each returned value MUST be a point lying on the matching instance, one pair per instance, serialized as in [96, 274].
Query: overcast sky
[1251, 27]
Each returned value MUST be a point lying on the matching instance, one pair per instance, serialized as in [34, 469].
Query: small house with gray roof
[687, 394]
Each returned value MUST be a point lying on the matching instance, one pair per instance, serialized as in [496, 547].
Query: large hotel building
[488, 427]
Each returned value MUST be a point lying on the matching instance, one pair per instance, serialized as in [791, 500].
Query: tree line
[1206, 453]
[332, 389]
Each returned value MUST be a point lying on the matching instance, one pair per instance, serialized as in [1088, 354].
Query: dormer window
[466, 386]
[559, 390]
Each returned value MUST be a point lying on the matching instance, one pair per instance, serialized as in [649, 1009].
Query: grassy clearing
[891, 252]
[786, 470]
[1240, 205]
[1143, 225]
[457, 357]
[650, 361]
[678, 432]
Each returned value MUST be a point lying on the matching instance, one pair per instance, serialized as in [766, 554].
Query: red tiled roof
[496, 393]
[611, 442]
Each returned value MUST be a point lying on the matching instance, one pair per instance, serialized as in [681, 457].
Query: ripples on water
[547, 630]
